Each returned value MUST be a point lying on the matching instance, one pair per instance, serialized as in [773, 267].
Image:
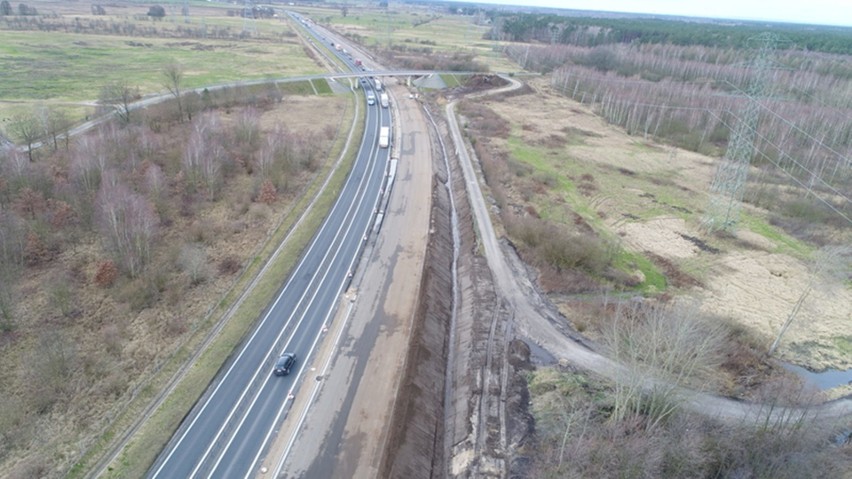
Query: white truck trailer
[384, 137]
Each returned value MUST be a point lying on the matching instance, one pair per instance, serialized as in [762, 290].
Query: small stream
[830, 378]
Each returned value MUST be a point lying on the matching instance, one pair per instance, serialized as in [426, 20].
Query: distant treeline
[587, 31]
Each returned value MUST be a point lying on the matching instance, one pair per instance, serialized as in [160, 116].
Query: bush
[106, 274]
[550, 245]
[485, 121]
[229, 265]
[192, 259]
[62, 297]
[267, 193]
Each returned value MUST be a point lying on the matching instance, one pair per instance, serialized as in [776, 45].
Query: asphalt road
[229, 430]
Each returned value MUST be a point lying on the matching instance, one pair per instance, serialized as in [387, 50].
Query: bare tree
[54, 123]
[7, 305]
[13, 164]
[829, 263]
[155, 182]
[88, 162]
[173, 74]
[118, 96]
[266, 158]
[49, 368]
[13, 237]
[663, 349]
[25, 127]
[271, 155]
[128, 222]
[204, 156]
[12, 242]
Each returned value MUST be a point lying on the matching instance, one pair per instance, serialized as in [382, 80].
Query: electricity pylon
[729, 184]
[248, 18]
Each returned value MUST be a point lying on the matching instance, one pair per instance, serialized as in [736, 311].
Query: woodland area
[691, 94]
[693, 97]
[590, 31]
[115, 244]
[650, 322]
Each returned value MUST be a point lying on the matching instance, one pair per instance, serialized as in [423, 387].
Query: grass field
[568, 167]
[67, 70]
[416, 28]
[38, 66]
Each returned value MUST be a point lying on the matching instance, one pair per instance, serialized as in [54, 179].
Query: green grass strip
[784, 243]
[321, 86]
[628, 261]
[451, 80]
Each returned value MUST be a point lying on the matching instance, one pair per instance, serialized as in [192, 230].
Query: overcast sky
[822, 12]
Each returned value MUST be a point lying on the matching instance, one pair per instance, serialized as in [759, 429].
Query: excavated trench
[461, 407]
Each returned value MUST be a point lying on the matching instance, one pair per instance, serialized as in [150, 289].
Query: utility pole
[248, 18]
[388, 27]
[728, 185]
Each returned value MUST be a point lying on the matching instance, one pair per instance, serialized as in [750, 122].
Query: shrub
[267, 193]
[559, 248]
[62, 297]
[193, 261]
[106, 274]
[229, 265]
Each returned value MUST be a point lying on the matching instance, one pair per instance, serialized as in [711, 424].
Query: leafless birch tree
[662, 349]
[173, 74]
[128, 223]
[204, 156]
[118, 96]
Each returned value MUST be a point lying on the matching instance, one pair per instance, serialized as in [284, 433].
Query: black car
[284, 364]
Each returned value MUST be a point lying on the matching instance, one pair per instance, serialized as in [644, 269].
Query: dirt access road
[536, 319]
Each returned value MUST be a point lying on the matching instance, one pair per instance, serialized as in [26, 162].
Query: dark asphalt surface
[227, 432]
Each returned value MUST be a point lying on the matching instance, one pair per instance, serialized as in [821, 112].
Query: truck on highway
[378, 85]
[384, 100]
[384, 137]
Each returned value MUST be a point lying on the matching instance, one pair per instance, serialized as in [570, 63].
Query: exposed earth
[651, 196]
[484, 417]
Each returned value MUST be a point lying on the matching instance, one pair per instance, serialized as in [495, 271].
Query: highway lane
[227, 431]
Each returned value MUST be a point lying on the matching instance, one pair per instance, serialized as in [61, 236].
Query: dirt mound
[417, 431]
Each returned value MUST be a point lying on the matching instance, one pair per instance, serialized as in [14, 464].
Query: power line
[728, 185]
[792, 176]
[765, 139]
[731, 176]
[803, 132]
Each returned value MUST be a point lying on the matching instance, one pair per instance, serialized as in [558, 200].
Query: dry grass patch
[651, 197]
[116, 331]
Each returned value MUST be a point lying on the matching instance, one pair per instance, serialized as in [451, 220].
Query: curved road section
[229, 429]
[537, 320]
